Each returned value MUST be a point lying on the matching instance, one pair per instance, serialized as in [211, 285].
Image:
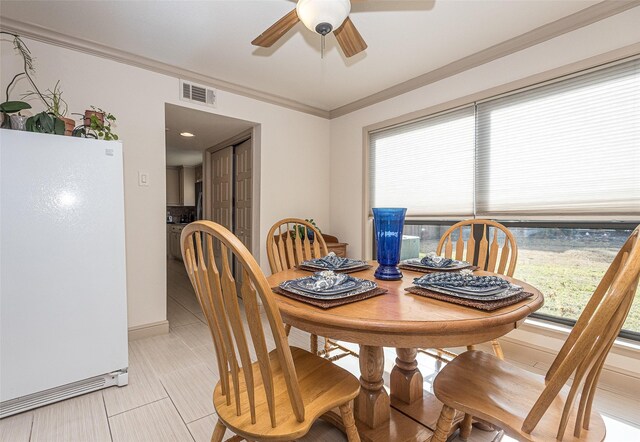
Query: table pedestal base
[399, 428]
[425, 410]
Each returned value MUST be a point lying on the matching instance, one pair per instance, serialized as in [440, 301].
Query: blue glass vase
[388, 223]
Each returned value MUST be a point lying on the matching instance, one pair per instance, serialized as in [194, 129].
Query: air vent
[196, 93]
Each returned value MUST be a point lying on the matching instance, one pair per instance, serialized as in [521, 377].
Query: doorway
[226, 193]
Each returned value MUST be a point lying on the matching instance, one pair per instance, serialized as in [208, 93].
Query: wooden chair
[484, 251]
[531, 407]
[285, 251]
[287, 389]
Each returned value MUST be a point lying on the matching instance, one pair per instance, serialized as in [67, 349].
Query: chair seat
[323, 386]
[501, 393]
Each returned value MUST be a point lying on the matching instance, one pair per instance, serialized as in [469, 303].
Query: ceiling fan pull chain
[322, 46]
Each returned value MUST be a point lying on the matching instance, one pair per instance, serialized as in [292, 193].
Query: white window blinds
[568, 148]
[426, 166]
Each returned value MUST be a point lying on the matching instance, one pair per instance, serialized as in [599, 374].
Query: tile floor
[169, 393]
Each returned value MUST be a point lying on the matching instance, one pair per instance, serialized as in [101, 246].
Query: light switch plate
[143, 178]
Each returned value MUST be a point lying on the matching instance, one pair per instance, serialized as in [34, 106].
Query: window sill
[622, 347]
[536, 343]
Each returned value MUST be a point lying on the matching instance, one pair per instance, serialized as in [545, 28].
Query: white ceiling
[406, 38]
[209, 129]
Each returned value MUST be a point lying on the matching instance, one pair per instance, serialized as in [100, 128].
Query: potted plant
[99, 113]
[98, 123]
[8, 108]
[301, 230]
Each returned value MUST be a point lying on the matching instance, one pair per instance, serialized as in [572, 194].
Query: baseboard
[148, 330]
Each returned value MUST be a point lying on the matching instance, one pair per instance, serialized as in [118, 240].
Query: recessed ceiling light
[187, 134]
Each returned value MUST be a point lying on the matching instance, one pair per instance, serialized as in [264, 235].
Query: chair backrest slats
[299, 242]
[203, 243]
[257, 336]
[206, 304]
[586, 314]
[585, 350]
[232, 309]
[209, 283]
[490, 257]
[484, 247]
[298, 256]
[289, 257]
[493, 251]
[306, 243]
[280, 251]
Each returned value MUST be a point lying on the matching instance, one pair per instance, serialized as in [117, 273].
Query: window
[548, 162]
[410, 163]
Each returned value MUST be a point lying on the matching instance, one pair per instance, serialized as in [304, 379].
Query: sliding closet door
[243, 192]
[222, 179]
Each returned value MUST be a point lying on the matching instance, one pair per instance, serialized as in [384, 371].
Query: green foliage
[102, 128]
[46, 123]
[301, 230]
[28, 68]
[52, 99]
[11, 107]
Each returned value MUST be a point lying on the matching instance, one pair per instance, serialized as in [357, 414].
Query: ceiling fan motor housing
[323, 16]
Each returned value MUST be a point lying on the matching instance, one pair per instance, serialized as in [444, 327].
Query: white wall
[347, 131]
[290, 186]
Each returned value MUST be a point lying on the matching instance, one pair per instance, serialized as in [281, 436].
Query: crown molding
[55, 38]
[541, 34]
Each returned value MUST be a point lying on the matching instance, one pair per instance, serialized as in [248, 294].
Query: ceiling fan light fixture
[323, 16]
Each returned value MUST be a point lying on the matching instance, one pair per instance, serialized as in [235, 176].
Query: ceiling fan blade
[350, 39]
[277, 30]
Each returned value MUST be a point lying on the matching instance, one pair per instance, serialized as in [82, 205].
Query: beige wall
[347, 131]
[137, 97]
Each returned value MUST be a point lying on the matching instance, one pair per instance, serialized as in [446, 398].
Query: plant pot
[69, 125]
[87, 117]
[18, 122]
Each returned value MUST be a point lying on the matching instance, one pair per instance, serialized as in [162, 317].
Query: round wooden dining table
[404, 321]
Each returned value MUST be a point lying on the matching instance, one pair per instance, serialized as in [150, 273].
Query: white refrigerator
[63, 296]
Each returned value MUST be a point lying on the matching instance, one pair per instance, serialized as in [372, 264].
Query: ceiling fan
[322, 17]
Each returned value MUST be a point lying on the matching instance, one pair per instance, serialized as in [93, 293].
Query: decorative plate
[460, 283]
[455, 265]
[353, 287]
[322, 264]
[505, 294]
